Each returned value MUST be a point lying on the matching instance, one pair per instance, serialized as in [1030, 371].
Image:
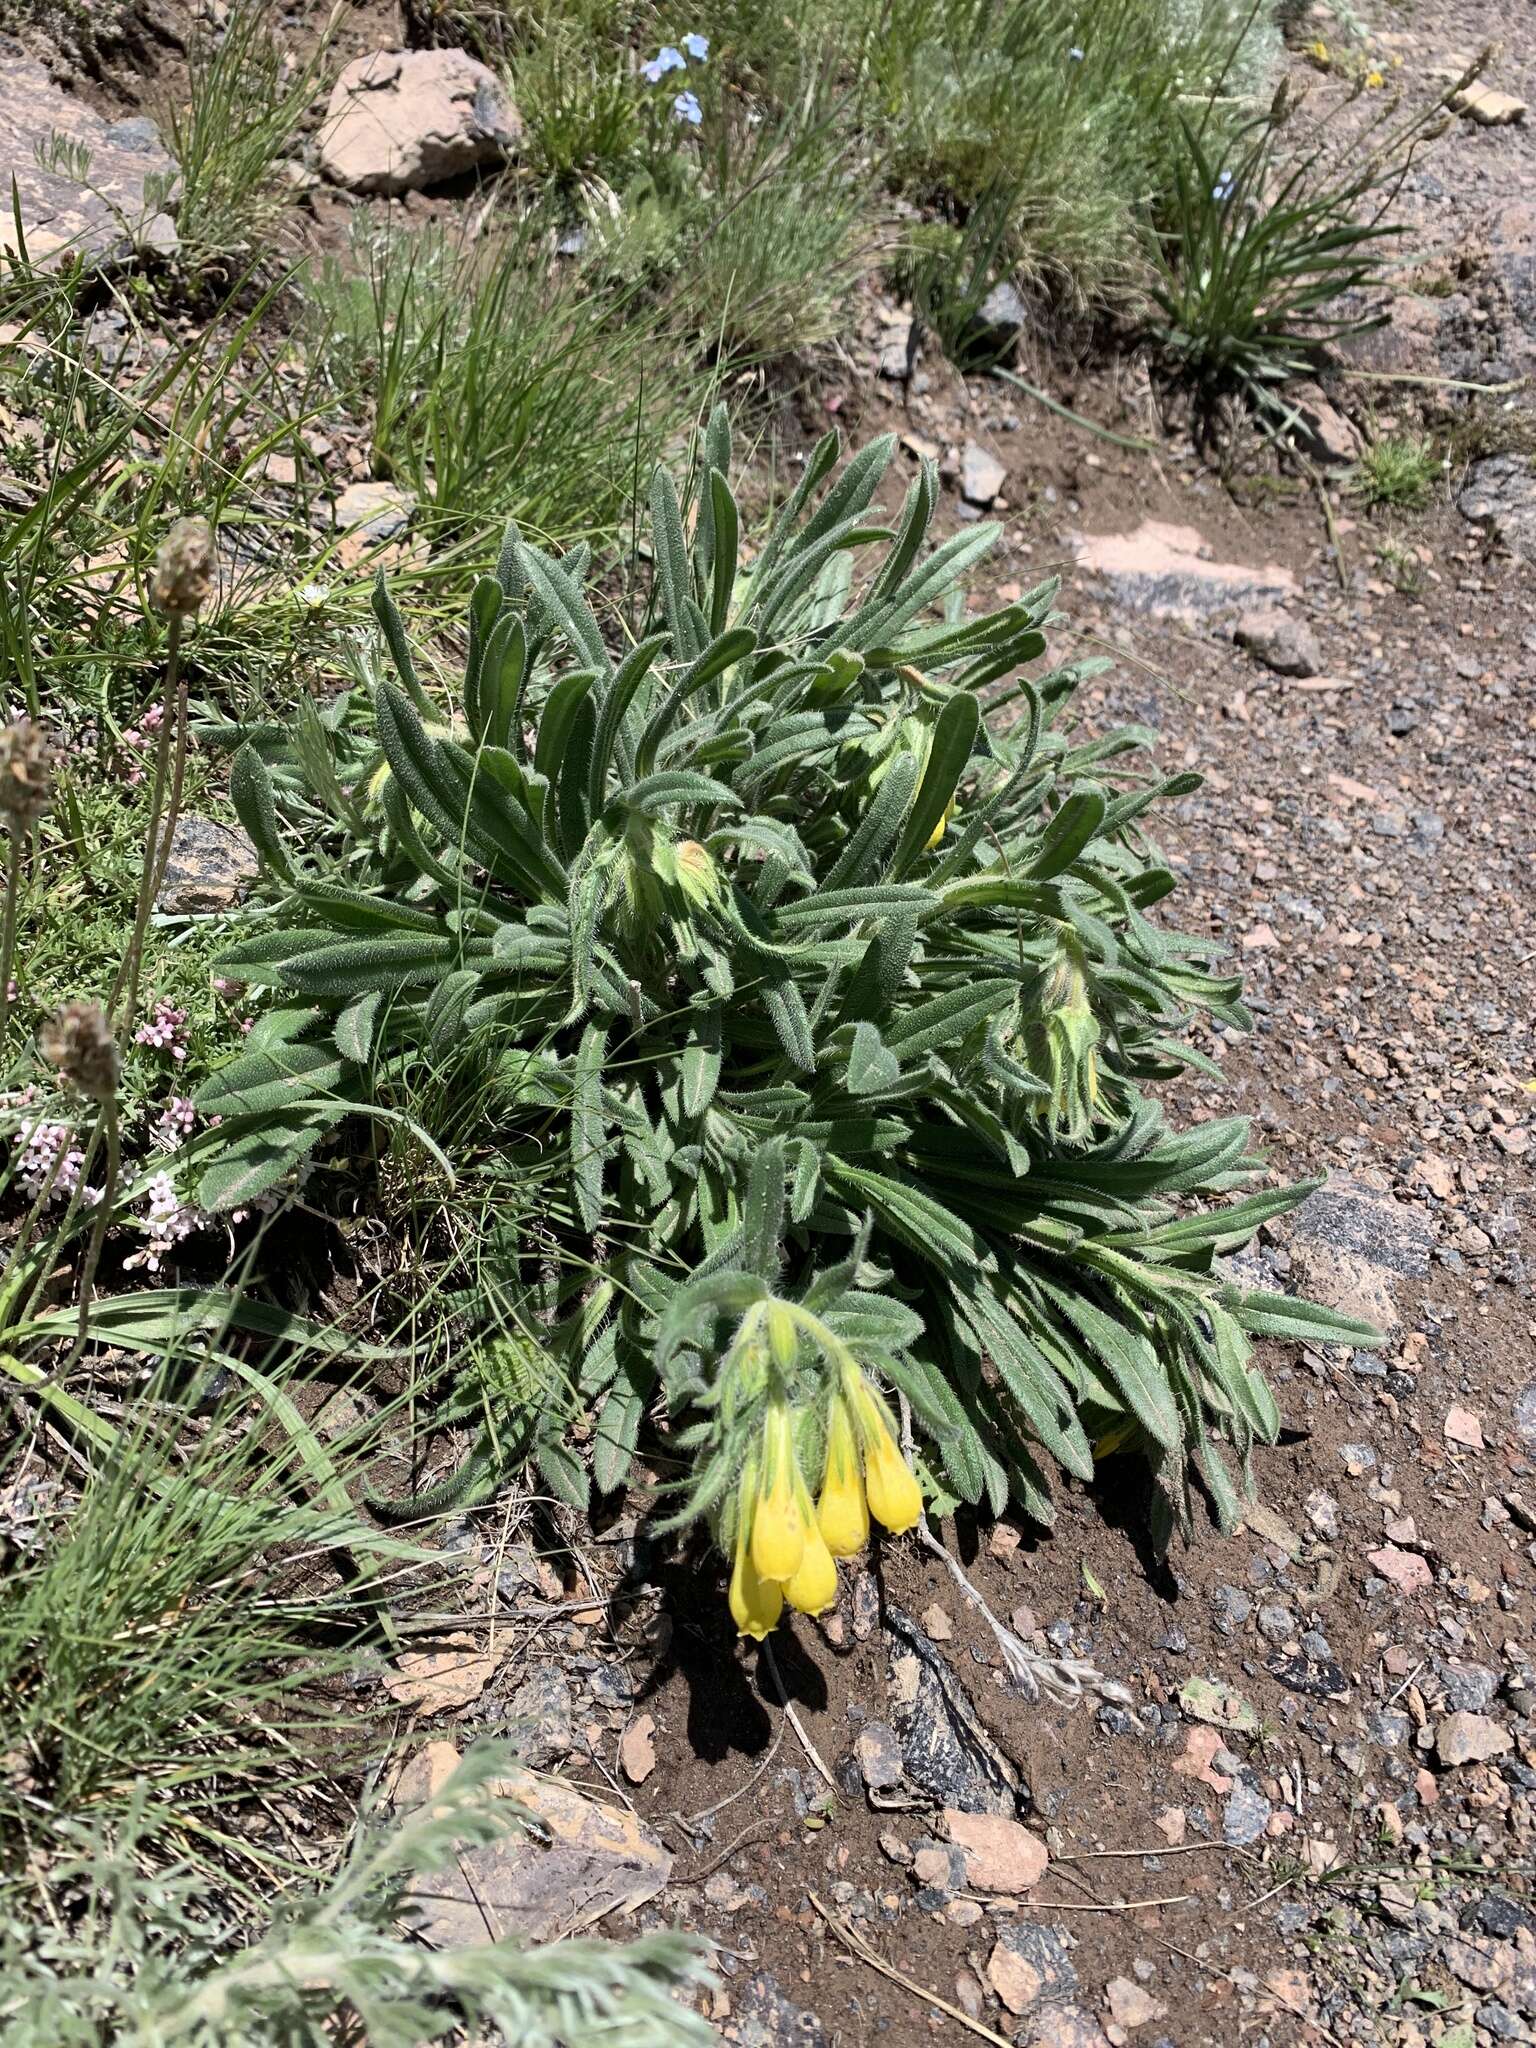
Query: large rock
[1351, 1243]
[108, 189]
[586, 1860]
[1500, 495]
[946, 1752]
[1162, 571]
[1285, 644]
[404, 119]
[210, 868]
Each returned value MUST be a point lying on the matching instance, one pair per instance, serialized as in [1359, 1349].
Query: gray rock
[1276, 1624]
[992, 336]
[1163, 571]
[1351, 1242]
[1282, 643]
[540, 1713]
[946, 1752]
[1230, 1608]
[1246, 1812]
[88, 189]
[1042, 1950]
[982, 476]
[211, 866]
[1468, 1688]
[1525, 1413]
[1500, 496]
[765, 2018]
[879, 1756]
[402, 120]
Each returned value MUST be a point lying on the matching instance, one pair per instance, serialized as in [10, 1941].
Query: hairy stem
[126, 983]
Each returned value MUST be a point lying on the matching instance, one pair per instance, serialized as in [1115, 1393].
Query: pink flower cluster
[173, 1126]
[141, 737]
[166, 1220]
[165, 1030]
[42, 1145]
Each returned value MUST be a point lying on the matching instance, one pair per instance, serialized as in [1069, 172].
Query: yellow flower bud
[842, 1514]
[778, 1524]
[813, 1589]
[756, 1604]
[783, 1338]
[895, 1498]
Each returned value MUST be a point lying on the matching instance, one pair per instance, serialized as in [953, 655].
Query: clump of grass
[246, 97]
[1398, 472]
[499, 388]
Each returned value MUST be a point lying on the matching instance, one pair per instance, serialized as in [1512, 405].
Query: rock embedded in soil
[1282, 643]
[765, 2018]
[1063, 2026]
[1030, 1963]
[1500, 496]
[946, 1751]
[1351, 1243]
[118, 210]
[1000, 1855]
[211, 866]
[374, 519]
[1470, 1739]
[982, 476]
[587, 1859]
[1487, 106]
[402, 120]
[1161, 571]
[1320, 430]
[540, 1716]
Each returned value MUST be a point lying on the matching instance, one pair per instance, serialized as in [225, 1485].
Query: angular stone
[108, 189]
[1159, 570]
[1350, 1243]
[539, 1717]
[1500, 495]
[1488, 107]
[982, 476]
[1029, 1963]
[1000, 1855]
[1063, 2026]
[879, 1756]
[1131, 2004]
[211, 866]
[1470, 1739]
[374, 519]
[592, 1860]
[946, 1752]
[1280, 642]
[401, 120]
[1320, 430]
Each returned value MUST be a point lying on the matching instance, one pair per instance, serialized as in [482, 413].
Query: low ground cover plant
[799, 955]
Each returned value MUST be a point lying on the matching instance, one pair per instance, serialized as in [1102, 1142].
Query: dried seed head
[26, 773]
[79, 1042]
[183, 578]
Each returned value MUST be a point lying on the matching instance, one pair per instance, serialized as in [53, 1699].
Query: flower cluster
[786, 1549]
[173, 1126]
[50, 1159]
[166, 1220]
[165, 1030]
[669, 58]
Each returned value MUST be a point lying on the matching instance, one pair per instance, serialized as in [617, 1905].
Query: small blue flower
[1076, 55]
[696, 45]
[1222, 190]
[686, 108]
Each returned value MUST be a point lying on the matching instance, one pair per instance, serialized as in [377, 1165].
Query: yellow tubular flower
[895, 1498]
[813, 1589]
[842, 1514]
[942, 826]
[778, 1522]
[756, 1604]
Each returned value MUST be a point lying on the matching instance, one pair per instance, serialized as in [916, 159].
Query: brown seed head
[78, 1041]
[183, 578]
[26, 773]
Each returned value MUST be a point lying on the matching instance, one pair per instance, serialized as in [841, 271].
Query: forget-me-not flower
[696, 45]
[1221, 191]
[1075, 54]
[686, 108]
[666, 59]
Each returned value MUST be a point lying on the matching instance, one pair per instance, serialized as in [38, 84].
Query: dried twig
[792, 1717]
[866, 1954]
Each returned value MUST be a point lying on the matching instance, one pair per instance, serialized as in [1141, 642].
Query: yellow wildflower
[894, 1496]
[778, 1520]
[842, 1514]
[756, 1603]
[813, 1589]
